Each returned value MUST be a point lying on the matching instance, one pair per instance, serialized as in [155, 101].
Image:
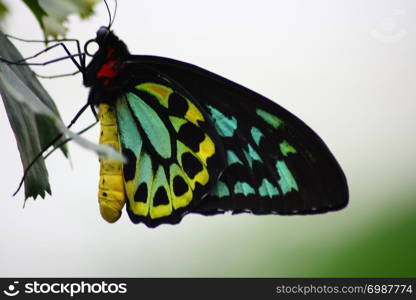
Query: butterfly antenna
[114, 14]
[39, 155]
[109, 14]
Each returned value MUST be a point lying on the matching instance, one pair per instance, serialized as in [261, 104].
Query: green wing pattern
[275, 163]
[173, 154]
[259, 176]
[270, 168]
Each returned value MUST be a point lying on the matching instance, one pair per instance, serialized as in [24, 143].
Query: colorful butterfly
[195, 142]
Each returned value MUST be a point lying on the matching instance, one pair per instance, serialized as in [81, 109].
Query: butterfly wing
[274, 162]
[174, 154]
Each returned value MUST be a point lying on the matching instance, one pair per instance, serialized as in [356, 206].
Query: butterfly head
[102, 34]
[107, 61]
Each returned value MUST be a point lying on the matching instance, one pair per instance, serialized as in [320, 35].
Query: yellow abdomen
[111, 193]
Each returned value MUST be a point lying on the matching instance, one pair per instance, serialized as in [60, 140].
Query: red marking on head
[108, 70]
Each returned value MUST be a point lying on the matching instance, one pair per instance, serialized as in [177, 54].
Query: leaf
[20, 93]
[86, 7]
[52, 14]
[33, 132]
[23, 123]
[36, 10]
[3, 9]
[34, 119]
[25, 74]
[53, 27]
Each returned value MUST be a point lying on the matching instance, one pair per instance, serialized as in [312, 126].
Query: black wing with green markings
[275, 163]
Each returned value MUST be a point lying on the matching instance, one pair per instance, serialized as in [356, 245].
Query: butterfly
[196, 142]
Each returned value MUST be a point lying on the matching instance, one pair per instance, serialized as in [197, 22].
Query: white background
[347, 68]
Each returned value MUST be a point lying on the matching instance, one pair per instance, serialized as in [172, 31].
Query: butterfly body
[111, 195]
[197, 142]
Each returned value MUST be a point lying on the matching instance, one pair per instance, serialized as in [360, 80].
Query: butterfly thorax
[107, 73]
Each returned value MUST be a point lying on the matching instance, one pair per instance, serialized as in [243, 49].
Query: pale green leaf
[52, 14]
[34, 119]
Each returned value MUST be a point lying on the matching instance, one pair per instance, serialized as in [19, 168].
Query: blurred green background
[347, 68]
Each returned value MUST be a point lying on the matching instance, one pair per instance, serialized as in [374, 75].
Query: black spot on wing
[161, 197]
[191, 136]
[129, 168]
[180, 187]
[141, 193]
[191, 164]
[177, 104]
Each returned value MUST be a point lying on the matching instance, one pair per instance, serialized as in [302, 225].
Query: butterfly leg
[59, 42]
[80, 65]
